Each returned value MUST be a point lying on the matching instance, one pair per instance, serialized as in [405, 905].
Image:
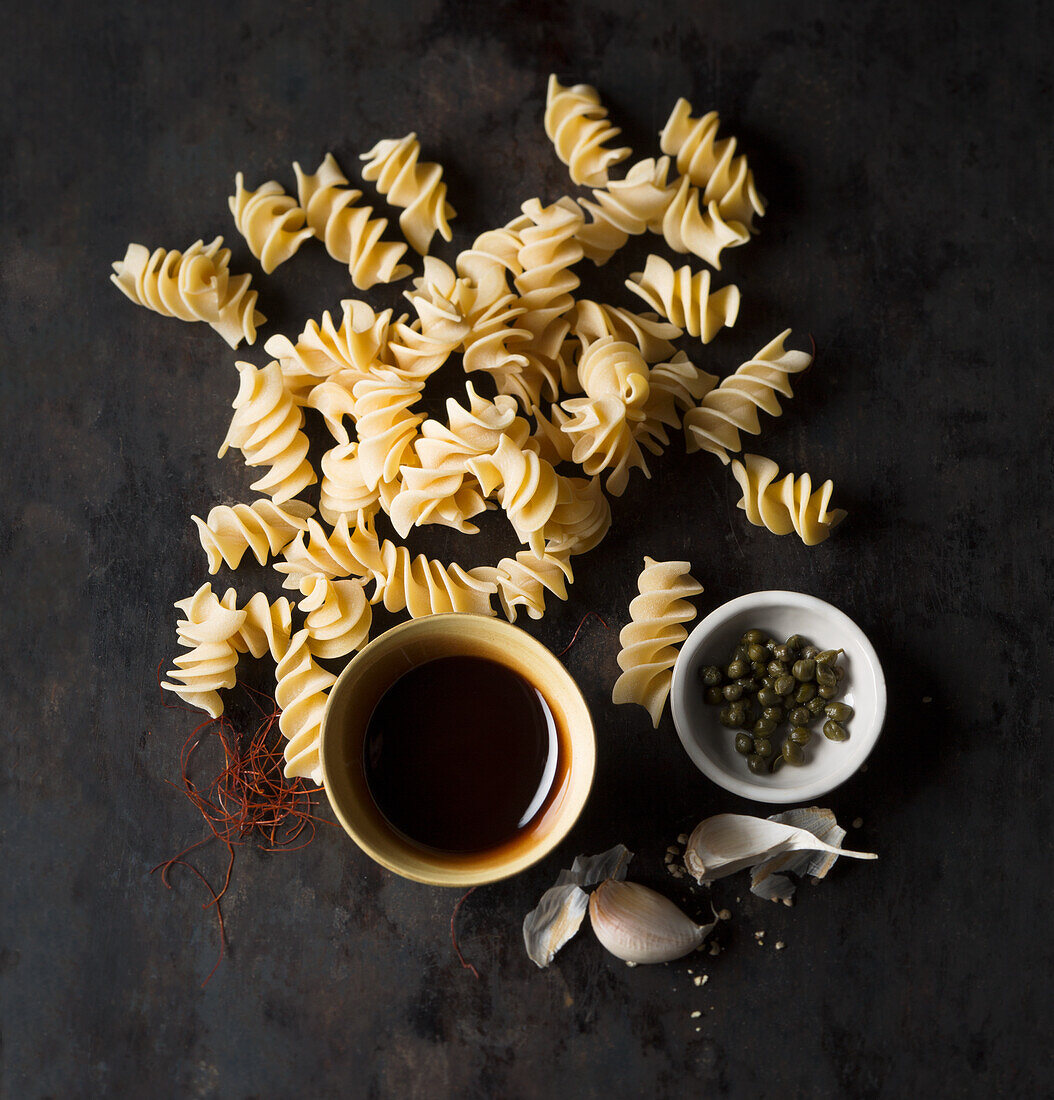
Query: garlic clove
[770, 879]
[641, 926]
[726, 843]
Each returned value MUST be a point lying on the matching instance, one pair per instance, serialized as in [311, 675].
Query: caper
[732, 692]
[801, 735]
[796, 642]
[825, 677]
[840, 712]
[776, 668]
[726, 718]
[714, 695]
[792, 753]
[753, 637]
[804, 670]
[773, 714]
[739, 653]
[784, 685]
[782, 653]
[736, 669]
[767, 697]
[759, 669]
[834, 731]
[736, 711]
[804, 693]
[710, 675]
[815, 706]
[839, 672]
[757, 652]
[810, 652]
[744, 744]
[777, 764]
[763, 747]
[827, 657]
[756, 763]
[763, 727]
[799, 716]
[828, 692]
[747, 684]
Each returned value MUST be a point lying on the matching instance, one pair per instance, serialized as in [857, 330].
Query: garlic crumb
[779, 945]
[698, 1029]
[630, 964]
[667, 858]
[724, 914]
[673, 849]
[789, 902]
[927, 698]
[701, 979]
[715, 949]
[682, 838]
[857, 822]
[696, 1014]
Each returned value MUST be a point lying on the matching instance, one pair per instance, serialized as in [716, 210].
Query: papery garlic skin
[638, 925]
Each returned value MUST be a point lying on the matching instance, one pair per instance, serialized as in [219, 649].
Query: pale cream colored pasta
[787, 505]
[428, 496]
[350, 235]
[270, 221]
[651, 638]
[549, 440]
[338, 616]
[301, 693]
[493, 256]
[626, 208]
[351, 549]
[675, 387]
[263, 527]
[603, 440]
[590, 321]
[423, 586]
[344, 491]
[685, 298]
[386, 427]
[267, 626]
[193, 285]
[704, 233]
[576, 123]
[711, 164]
[266, 429]
[714, 425]
[581, 518]
[616, 368]
[394, 165]
[524, 580]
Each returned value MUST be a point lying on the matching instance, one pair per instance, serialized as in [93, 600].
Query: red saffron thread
[574, 637]
[453, 935]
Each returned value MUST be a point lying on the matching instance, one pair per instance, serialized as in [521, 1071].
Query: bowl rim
[747, 786]
[585, 753]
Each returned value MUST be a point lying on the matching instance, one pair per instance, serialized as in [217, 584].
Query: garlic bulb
[727, 843]
[640, 926]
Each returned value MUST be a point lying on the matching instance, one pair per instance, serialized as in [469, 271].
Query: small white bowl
[781, 614]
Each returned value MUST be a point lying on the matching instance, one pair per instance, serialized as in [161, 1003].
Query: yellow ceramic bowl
[370, 674]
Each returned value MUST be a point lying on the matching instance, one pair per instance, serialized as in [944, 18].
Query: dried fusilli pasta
[685, 299]
[673, 388]
[338, 615]
[344, 491]
[350, 550]
[301, 693]
[423, 586]
[703, 233]
[714, 425]
[615, 368]
[267, 626]
[270, 221]
[524, 580]
[263, 527]
[576, 123]
[411, 183]
[787, 505]
[626, 208]
[650, 639]
[581, 518]
[603, 440]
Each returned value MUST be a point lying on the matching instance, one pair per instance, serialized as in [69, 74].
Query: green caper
[839, 672]
[753, 637]
[777, 764]
[840, 712]
[804, 693]
[732, 692]
[804, 670]
[792, 753]
[744, 744]
[714, 696]
[763, 747]
[736, 669]
[799, 716]
[776, 668]
[801, 735]
[737, 712]
[834, 731]
[810, 652]
[827, 657]
[747, 684]
[739, 653]
[815, 706]
[756, 763]
[759, 669]
[796, 642]
[767, 697]
[710, 675]
[828, 691]
[773, 714]
[726, 718]
[763, 727]
[783, 653]
[757, 652]
[825, 677]
[784, 685]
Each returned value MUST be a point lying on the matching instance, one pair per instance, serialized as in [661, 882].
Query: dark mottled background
[906, 153]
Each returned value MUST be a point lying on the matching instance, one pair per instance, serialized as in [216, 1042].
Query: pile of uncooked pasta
[582, 389]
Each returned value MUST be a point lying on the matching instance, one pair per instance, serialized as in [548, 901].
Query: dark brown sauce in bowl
[462, 754]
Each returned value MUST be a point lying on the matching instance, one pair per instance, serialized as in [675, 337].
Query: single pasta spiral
[350, 235]
[615, 368]
[652, 636]
[674, 387]
[685, 299]
[193, 285]
[687, 229]
[350, 550]
[269, 220]
[494, 256]
[301, 692]
[524, 580]
[344, 491]
[208, 630]
[416, 185]
[626, 208]
[435, 496]
[787, 505]
[263, 527]
[603, 440]
[266, 429]
[581, 518]
[714, 425]
[576, 123]
[338, 615]
[712, 164]
[423, 586]
[590, 321]
[386, 427]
